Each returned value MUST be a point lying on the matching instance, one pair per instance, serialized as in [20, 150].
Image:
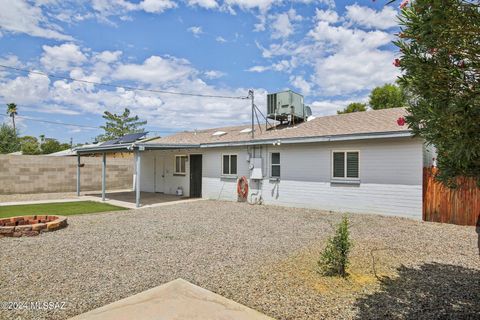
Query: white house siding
[157, 172]
[390, 175]
[429, 153]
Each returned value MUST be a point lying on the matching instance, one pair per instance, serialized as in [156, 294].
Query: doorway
[159, 174]
[195, 175]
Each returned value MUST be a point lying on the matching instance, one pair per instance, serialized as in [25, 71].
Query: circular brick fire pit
[30, 225]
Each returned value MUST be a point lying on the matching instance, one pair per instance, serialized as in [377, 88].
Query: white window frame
[179, 173]
[271, 164]
[345, 178]
[230, 163]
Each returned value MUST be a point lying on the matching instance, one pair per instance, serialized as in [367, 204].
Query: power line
[53, 122]
[122, 87]
[67, 124]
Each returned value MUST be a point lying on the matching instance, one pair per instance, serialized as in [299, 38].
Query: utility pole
[251, 95]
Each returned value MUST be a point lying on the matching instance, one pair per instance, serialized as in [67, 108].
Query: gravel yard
[260, 256]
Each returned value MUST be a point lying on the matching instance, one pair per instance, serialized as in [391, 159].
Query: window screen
[275, 172]
[229, 165]
[226, 164]
[180, 164]
[352, 164]
[233, 164]
[339, 165]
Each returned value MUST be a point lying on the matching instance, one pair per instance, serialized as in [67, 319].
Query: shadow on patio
[432, 291]
[147, 198]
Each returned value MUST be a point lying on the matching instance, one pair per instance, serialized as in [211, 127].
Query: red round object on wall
[401, 121]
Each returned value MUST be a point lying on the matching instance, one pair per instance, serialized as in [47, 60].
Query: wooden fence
[458, 206]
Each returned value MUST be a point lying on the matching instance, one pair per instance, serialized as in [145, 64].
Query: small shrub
[334, 258]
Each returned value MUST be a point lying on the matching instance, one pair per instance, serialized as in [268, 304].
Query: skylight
[219, 133]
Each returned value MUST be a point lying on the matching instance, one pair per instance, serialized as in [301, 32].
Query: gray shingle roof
[368, 122]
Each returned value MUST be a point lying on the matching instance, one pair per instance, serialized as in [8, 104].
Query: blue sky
[333, 52]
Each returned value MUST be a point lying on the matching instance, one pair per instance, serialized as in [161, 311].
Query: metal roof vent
[219, 133]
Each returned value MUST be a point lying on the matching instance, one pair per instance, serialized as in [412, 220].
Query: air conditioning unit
[287, 106]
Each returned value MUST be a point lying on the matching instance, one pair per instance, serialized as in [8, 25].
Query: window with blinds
[345, 164]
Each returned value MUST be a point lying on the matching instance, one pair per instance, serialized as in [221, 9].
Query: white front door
[159, 164]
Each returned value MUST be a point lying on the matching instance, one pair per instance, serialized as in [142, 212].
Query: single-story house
[366, 162]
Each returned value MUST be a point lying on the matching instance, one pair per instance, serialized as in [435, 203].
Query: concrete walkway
[125, 204]
[179, 300]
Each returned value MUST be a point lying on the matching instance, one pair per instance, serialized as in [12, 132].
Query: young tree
[12, 112]
[8, 139]
[29, 145]
[353, 107]
[334, 258]
[439, 44]
[387, 96]
[118, 125]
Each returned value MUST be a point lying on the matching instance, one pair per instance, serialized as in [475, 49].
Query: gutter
[159, 146]
[349, 137]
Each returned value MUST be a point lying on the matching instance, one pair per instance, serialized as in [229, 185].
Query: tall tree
[117, 125]
[9, 141]
[353, 107]
[387, 96]
[12, 112]
[439, 42]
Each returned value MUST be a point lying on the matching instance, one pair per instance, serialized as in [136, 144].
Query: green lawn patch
[60, 208]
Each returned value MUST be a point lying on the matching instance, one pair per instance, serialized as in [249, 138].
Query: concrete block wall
[43, 174]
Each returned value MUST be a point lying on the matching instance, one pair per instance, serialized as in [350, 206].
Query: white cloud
[343, 73]
[108, 56]
[195, 30]
[157, 70]
[300, 83]
[214, 74]
[331, 106]
[167, 112]
[156, 6]
[25, 90]
[262, 5]
[20, 17]
[354, 61]
[220, 39]
[370, 18]
[120, 7]
[329, 16]
[259, 69]
[281, 26]
[8, 60]
[62, 57]
[208, 4]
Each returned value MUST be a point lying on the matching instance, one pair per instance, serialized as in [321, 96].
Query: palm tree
[12, 112]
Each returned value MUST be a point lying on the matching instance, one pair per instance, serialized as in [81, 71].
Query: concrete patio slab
[179, 300]
[122, 198]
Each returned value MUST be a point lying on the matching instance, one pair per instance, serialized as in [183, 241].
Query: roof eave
[329, 138]
[129, 147]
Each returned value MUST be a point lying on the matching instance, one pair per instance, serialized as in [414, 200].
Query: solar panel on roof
[110, 142]
[132, 137]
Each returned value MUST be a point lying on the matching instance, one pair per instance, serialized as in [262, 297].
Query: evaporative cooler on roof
[287, 105]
